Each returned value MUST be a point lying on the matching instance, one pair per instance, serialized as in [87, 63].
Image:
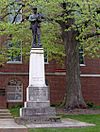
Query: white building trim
[48, 73]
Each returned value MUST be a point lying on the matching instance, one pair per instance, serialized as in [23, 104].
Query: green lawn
[86, 118]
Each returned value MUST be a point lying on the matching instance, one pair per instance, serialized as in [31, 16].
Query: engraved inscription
[38, 94]
[36, 79]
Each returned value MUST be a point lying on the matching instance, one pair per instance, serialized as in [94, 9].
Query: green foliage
[90, 105]
[96, 107]
[3, 57]
[85, 13]
[15, 110]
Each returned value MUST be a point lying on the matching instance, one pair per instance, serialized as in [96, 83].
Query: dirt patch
[78, 111]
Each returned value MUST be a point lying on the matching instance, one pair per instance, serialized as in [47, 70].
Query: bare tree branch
[91, 35]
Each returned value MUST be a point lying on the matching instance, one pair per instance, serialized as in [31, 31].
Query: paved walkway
[65, 123]
[9, 125]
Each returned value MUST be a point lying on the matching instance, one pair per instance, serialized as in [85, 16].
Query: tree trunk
[74, 98]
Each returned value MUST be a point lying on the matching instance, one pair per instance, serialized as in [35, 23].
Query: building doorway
[3, 103]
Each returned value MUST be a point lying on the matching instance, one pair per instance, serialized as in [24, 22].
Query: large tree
[75, 21]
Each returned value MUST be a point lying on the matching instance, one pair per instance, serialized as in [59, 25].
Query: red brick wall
[90, 85]
[91, 89]
[92, 66]
[13, 68]
[57, 88]
[3, 103]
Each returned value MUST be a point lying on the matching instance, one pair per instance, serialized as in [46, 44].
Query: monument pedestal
[37, 106]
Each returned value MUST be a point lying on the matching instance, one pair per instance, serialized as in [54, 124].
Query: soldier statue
[35, 20]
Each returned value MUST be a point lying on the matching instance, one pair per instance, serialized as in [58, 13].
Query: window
[15, 16]
[45, 57]
[2, 56]
[14, 91]
[2, 92]
[15, 11]
[14, 52]
[81, 56]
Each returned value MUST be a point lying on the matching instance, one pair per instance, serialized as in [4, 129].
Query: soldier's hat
[34, 8]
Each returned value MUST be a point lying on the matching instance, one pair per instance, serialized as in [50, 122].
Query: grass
[15, 111]
[95, 119]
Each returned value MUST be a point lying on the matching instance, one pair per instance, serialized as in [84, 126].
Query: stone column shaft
[36, 68]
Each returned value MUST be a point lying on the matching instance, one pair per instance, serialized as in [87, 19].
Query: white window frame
[82, 52]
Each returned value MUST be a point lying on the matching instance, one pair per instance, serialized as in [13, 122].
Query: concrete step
[6, 117]
[5, 114]
[4, 111]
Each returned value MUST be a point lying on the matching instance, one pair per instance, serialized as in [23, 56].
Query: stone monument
[37, 106]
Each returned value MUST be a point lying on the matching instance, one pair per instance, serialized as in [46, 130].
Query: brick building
[14, 77]
[14, 81]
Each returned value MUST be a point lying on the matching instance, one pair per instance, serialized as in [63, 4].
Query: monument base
[37, 120]
[37, 116]
[37, 107]
[29, 112]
